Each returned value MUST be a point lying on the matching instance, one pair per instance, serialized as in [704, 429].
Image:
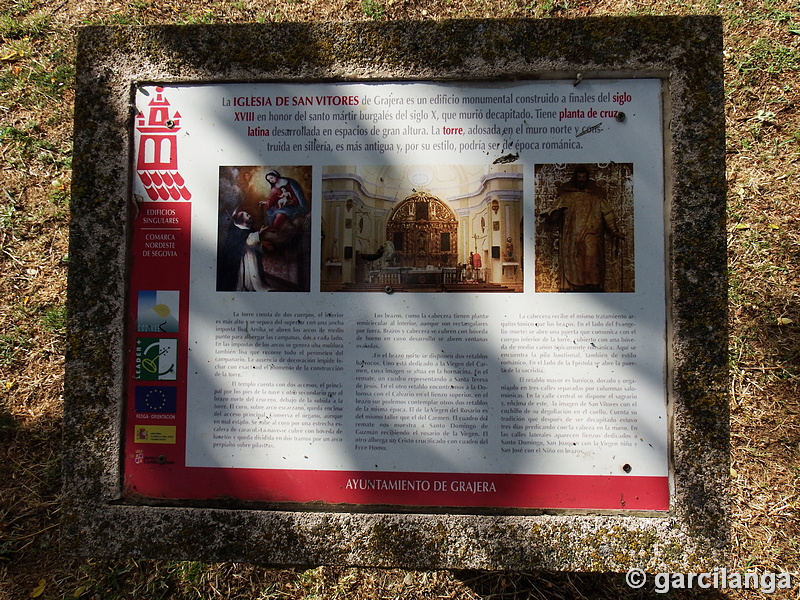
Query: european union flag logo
[156, 399]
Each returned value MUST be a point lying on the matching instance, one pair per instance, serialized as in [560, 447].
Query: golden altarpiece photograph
[426, 228]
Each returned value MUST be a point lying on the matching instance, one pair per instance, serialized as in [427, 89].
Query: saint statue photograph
[584, 228]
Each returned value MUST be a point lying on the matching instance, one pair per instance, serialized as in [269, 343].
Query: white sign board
[434, 294]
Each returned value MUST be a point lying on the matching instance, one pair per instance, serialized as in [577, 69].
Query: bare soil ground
[762, 50]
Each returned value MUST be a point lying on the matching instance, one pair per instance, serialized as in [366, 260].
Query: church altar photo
[422, 228]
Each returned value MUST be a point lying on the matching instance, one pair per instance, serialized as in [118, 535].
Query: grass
[762, 43]
[373, 9]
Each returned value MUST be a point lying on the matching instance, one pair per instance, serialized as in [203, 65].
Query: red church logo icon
[157, 160]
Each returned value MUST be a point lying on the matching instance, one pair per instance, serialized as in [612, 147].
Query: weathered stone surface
[685, 52]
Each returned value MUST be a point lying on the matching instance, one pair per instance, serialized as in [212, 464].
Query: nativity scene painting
[264, 229]
[424, 228]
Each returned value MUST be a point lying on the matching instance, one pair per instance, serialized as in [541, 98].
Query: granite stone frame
[686, 53]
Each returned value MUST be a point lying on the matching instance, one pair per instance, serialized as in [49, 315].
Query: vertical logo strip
[159, 299]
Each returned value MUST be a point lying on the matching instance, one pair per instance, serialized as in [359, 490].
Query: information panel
[421, 294]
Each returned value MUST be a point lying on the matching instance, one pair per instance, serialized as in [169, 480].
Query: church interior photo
[423, 228]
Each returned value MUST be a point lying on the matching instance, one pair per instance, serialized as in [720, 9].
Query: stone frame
[685, 52]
